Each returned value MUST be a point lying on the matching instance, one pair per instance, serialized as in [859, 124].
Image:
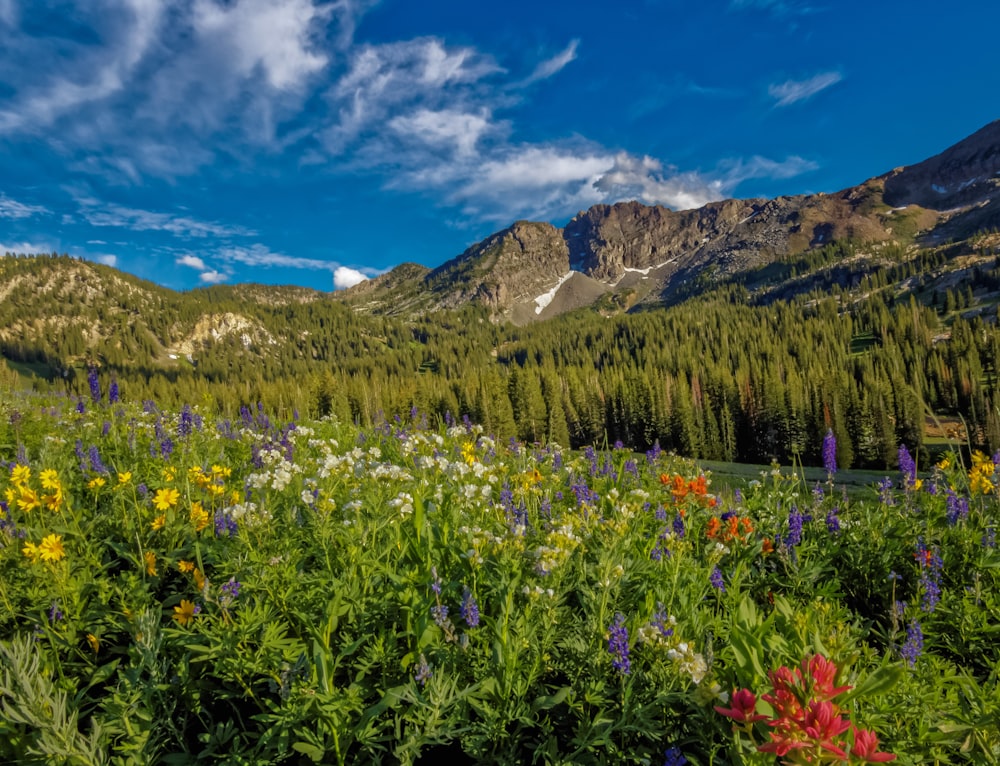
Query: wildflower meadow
[180, 588]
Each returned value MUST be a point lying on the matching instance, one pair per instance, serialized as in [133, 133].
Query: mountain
[631, 255]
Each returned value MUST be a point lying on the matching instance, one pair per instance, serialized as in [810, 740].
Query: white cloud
[10, 208]
[401, 79]
[791, 91]
[119, 216]
[446, 128]
[107, 259]
[344, 277]
[551, 66]
[643, 179]
[737, 171]
[213, 277]
[28, 248]
[262, 35]
[92, 74]
[260, 255]
[193, 261]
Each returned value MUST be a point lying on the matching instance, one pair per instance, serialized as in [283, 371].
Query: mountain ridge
[645, 255]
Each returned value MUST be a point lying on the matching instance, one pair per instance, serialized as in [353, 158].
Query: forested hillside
[747, 368]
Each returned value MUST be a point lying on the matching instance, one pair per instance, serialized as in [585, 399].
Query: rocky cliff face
[651, 250]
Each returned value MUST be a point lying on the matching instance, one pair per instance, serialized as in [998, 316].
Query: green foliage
[182, 589]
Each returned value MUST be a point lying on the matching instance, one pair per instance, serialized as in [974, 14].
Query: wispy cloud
[792, 91]
[776, 7]
[551, 66]
[98, 213]
[108, 259]
[10, 208]
[28, 248]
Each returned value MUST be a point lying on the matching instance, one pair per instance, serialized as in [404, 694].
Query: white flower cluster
[249, 513]
[559, 545]
[404, 502]
[279, 475]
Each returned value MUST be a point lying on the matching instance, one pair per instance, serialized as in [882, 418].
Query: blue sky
[195, 142]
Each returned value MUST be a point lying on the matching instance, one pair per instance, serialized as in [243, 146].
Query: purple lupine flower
[618, 645]
[989, 537]
[907, 466]
[55, 613]
[830, 453]
[96, 464]
[94, 383]
[659, 621]
[716, 580]
[440, 614]
[832, 520]
[930, 575]
[424, 672]
[660, 513]
[229, 592]
[225, 525]
[113, 395]
[737, 497]
[674, 757]
[678, 525]
[80, 406]
[654, 452]
[794, 536]
[186, 423]
[470, 609]
[914, 645]
[956, 508]
[885, 491]
[591, 456]
[817, 492]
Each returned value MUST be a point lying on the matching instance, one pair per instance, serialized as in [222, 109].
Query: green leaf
[311, 751]
[879, 682]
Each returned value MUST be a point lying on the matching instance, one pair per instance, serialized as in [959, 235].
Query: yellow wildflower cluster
[49, 549]
[20, 493]
[981, 474]
[212, 481]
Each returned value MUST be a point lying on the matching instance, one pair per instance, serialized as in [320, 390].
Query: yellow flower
[28, 500]
[944, 464]
[185, 566]
[20, 474]
[96, 483]
[51, 548]
[166, 498]
[125, 478]
[218, 472]
[199, 517]
[158, 522]
[31, 551]
[50, 479]
[53, 501]
[469, 453]
[979, 458]
[150, 559]
[169, 473]
[94, 641]
[185, 612]
[215, 489]
[199, 580]
[237, 497]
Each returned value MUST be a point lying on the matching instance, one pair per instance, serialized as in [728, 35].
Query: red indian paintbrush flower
[744, 707]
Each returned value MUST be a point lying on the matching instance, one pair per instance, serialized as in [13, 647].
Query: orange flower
[714, 525]
[767, 546]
